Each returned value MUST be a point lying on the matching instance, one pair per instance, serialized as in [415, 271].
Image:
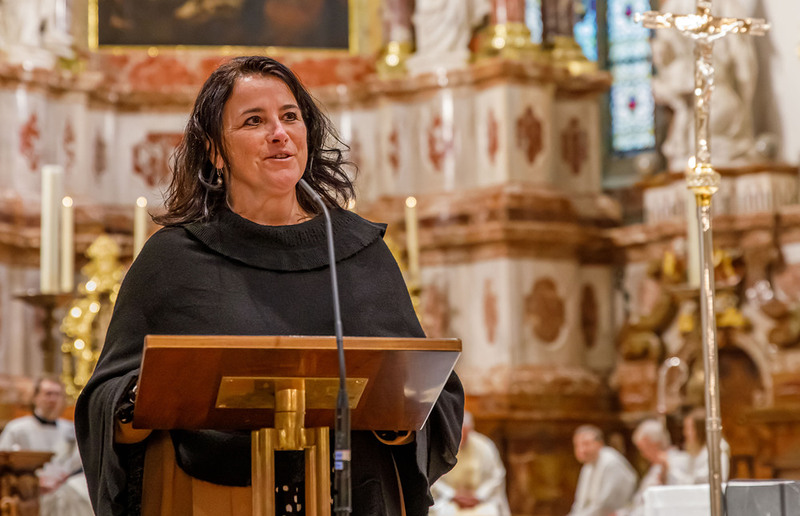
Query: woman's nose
[278, 133]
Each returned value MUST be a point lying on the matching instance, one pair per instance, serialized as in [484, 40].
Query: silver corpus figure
[704, 28]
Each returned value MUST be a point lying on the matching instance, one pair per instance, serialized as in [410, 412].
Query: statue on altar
[735, 65]
[56, 37]
[443, 30]
[20, 23]
[34, 32]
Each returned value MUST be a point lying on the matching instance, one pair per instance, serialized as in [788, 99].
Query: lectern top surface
[229, 382]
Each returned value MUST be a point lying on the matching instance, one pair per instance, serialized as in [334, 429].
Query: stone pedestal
[507, 35]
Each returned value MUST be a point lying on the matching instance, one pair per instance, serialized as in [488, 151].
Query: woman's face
[265, 141]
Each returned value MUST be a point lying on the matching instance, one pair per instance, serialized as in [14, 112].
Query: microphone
[342, 503]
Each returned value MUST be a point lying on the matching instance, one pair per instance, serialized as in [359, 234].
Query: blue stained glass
[586, 29]
[632, 104]
[621, 22]
[631, 50]
[632, 107]
[626, 38]
[533, 19]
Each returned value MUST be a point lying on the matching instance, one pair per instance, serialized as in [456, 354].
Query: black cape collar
[295, 247]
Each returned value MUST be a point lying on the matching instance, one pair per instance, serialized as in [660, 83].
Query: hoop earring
[215, 180]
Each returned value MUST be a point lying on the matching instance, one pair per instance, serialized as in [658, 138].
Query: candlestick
[67, 245]
[139, 225]
[412, 241]
[49, 303]
[52, 177]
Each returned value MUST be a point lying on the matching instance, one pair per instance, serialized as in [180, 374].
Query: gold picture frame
[228, 25]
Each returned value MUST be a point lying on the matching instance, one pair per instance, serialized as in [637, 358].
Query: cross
[704, 29]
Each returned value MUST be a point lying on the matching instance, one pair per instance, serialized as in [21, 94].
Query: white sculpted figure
[32, 31]
[732, 140]
[443, 30]
[56, 37]
[20, 23]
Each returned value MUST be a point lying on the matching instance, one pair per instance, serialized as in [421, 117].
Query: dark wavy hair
[193, 194]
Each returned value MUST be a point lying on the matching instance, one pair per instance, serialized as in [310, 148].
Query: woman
[243, 252]
[694, 468]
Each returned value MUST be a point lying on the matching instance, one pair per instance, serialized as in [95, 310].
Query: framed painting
[297, 24]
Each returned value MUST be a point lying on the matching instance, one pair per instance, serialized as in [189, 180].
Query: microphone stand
[342, 503]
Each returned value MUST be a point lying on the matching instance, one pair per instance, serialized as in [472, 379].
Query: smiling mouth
[280, 156]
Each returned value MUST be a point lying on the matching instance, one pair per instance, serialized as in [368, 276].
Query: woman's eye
[292, 116]
[253, 120]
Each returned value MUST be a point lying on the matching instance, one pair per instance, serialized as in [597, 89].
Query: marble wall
[494, 124]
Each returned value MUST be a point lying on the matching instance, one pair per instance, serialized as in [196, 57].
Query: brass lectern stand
[277, 386]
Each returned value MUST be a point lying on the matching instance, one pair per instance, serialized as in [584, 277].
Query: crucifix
[704, 29]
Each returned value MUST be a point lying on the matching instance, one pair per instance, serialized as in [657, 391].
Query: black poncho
[235, 277]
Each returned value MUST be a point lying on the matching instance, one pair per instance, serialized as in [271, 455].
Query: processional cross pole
[704, 29]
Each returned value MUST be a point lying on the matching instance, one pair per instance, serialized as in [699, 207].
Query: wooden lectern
[284, 390]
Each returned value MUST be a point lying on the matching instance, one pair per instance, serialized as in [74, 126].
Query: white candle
[692, 241]
[67, 245]
[412, 241]
[139, 225]
[52, 177]
[692, 238]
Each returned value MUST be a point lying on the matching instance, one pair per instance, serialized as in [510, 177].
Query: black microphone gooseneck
[341, 442]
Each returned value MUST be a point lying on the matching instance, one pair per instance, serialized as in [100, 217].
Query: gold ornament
[87, 318]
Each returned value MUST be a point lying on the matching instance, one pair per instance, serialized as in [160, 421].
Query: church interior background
[544, 144]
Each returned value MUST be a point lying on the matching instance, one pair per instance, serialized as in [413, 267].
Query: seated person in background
[694, 467]
[653, 442]
[62, 485]
[607, 479]
[476, 486]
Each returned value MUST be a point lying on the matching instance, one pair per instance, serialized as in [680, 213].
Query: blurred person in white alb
[62, 485]
[607, 480]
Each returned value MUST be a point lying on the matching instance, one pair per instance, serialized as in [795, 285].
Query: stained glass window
[632, 106]
[586, 27]
[628, 59]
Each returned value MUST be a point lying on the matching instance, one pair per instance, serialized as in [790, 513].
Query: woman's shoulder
[167, 238]
[357, 223]
[164, 247]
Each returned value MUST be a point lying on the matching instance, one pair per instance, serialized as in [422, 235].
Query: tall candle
[52, 177]
[139, 225]
[692, 237]
[412, 241]
[67, 245]
[692, 242]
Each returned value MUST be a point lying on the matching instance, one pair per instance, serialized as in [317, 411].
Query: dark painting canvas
[282, 23]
